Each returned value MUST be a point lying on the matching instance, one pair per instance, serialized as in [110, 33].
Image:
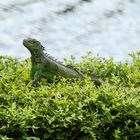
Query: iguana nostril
[24, 42]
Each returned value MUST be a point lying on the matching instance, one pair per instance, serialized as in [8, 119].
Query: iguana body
[44, 66]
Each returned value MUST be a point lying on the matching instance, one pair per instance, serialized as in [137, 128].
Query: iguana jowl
[45, 66]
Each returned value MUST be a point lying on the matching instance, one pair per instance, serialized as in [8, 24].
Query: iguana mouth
[25, 42]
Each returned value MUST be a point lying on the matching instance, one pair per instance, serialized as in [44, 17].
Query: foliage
[71, 109]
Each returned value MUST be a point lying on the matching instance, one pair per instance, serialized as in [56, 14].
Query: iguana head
[33, 45]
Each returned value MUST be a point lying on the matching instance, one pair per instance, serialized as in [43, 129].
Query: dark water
[107, 27]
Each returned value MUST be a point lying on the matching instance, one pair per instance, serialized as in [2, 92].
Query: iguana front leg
[37, 77]
[36, 73]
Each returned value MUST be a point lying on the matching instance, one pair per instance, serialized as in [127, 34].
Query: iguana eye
[33, 42]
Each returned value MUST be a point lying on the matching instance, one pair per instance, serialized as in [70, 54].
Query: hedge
[71, 109]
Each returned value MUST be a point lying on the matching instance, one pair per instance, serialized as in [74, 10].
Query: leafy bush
[71, 109]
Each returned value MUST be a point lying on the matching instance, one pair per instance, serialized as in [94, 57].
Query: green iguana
[45, 66]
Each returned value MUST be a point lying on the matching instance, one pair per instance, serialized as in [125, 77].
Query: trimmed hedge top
[71, 109]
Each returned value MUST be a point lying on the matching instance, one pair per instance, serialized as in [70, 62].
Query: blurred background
[110, 28]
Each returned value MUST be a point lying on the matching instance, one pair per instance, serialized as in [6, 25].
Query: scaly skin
[45, 66]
